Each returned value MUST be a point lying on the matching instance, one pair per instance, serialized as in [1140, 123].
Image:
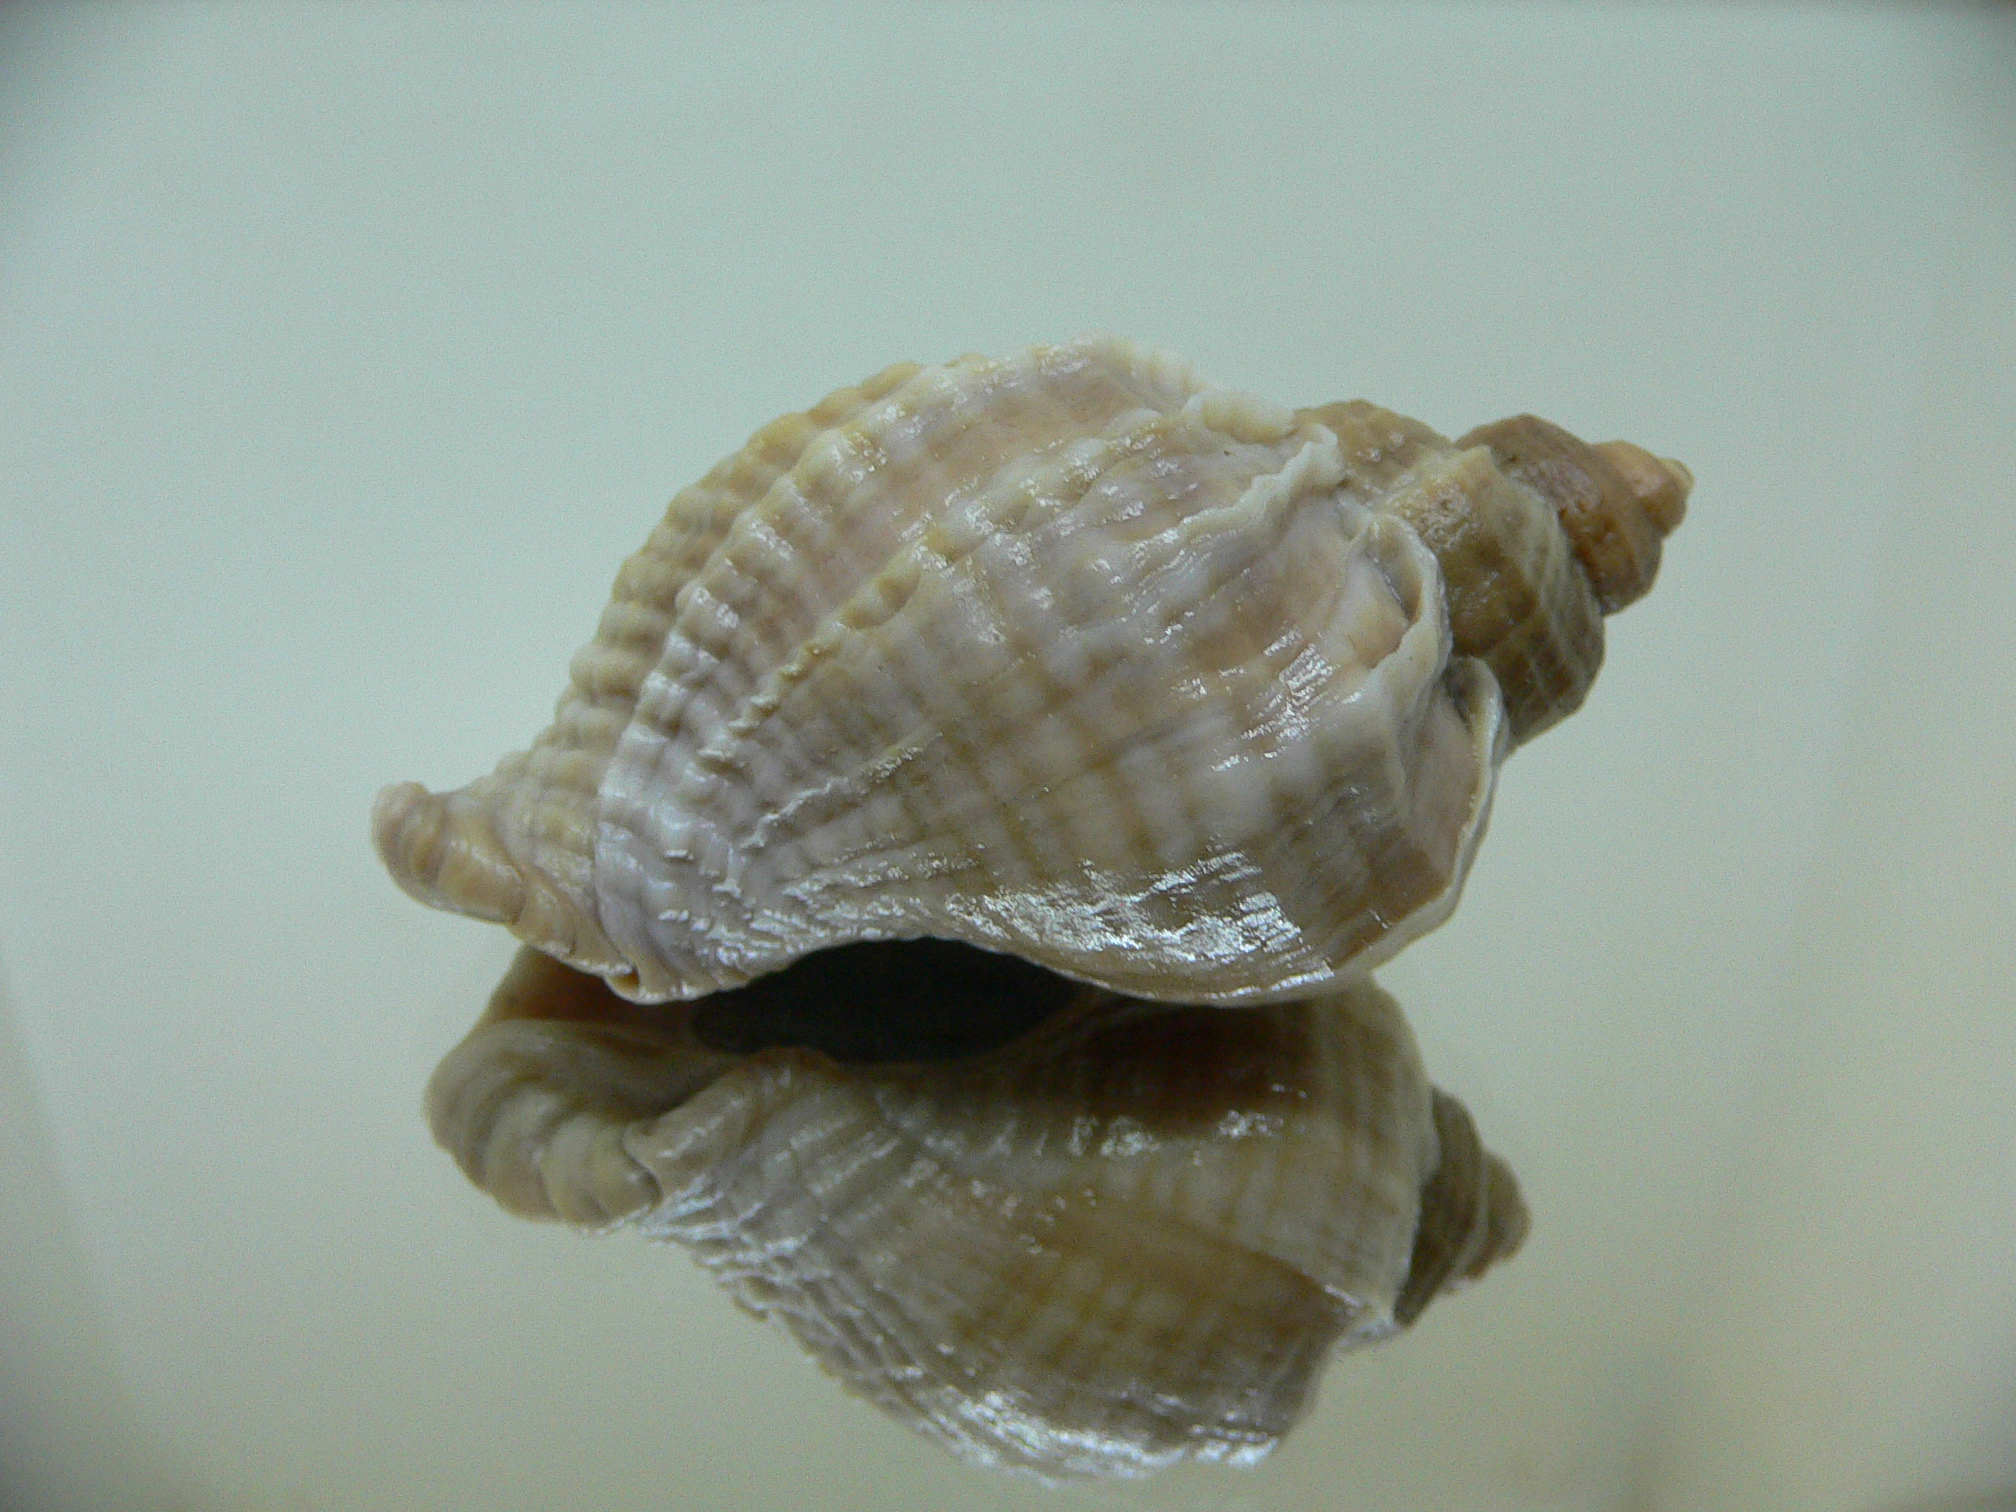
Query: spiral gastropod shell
[1069, 655]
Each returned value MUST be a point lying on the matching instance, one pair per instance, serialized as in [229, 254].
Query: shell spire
[1538, 533]
[1616, 502]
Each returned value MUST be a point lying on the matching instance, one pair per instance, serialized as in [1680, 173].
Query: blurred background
[346, 350]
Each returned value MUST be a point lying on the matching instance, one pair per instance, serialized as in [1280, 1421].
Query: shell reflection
[1050, 1226]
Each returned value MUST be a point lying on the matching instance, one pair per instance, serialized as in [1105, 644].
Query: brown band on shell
[1517, 600]
[1616, 502]
[1472, 1215]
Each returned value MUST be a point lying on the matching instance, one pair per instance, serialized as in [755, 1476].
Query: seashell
[1068, 655]
[1053, 1228]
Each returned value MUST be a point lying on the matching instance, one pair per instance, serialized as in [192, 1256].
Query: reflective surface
[1112, 1238]
[294, 305]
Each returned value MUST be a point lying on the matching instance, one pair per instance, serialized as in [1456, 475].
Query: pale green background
[344, 351]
